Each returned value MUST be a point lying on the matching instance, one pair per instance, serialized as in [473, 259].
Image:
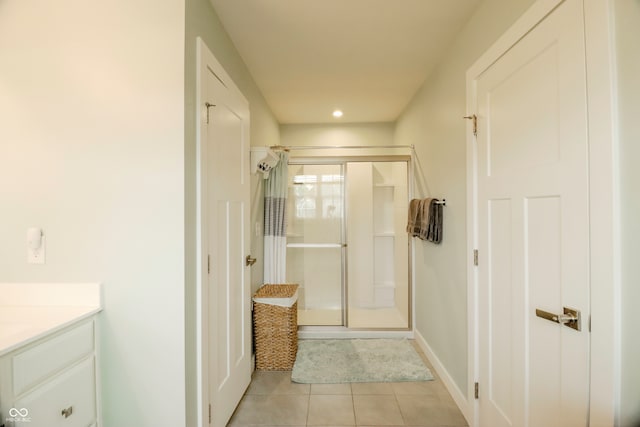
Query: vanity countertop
[29, 311]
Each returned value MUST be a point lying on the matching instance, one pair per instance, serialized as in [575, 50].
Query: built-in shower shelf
[314, 245]
[384, 284]
[385, 234]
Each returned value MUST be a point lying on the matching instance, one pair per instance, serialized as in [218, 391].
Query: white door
[227, 210]
[533, 227]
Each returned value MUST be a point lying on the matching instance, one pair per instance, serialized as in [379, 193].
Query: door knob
[250, 261]
[570, 317]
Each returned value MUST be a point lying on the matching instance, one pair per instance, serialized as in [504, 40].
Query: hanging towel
[413, 222]
[424, 218]
[434, 229]
[419, 217]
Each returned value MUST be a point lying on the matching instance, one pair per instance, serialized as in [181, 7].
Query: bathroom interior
[98, 147]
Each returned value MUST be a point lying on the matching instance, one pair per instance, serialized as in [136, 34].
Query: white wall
[627, 15]
[91, 150]
[433, 122]
[335, 134]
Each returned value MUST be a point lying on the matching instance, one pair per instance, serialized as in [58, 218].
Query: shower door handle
[250, 261]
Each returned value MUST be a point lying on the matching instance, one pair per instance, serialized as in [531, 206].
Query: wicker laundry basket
[275, 327]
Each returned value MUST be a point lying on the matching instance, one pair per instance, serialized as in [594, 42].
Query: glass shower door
[315, 236]
[378, 253]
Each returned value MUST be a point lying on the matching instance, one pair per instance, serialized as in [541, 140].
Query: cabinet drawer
[72, 393]
[32, 366]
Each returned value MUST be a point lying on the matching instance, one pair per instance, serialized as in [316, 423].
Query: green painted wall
[433, 123]
[627, 33]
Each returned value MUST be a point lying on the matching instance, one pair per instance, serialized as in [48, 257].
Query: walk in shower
[346, 241]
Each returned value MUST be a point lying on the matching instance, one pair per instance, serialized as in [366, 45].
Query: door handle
[570, 317]
[250, 261]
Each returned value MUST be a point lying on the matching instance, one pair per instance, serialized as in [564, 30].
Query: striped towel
[434, 229]
[425, 220]
[418, 217]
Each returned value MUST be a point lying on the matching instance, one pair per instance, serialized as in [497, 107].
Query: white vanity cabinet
[51, 382]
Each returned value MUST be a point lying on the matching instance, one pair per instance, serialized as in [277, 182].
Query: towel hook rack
[474, 118]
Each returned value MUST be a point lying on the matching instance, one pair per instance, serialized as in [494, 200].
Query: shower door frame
[329, 330]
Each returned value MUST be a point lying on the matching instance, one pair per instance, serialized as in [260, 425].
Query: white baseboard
[458, 396]
[320, 333]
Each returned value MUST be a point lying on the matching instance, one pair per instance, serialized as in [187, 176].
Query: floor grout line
[353, 407]
[306, 423]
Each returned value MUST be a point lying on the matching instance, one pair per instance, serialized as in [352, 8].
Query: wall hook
[475, 123]
[208, 105]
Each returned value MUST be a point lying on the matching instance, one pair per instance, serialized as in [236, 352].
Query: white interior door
[533, 227]
[227, 216]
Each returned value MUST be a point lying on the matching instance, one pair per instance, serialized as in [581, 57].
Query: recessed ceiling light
[337, 114]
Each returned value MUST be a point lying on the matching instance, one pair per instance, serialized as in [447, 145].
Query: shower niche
[346, 242]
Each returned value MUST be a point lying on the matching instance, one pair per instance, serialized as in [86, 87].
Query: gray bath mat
[358, 360]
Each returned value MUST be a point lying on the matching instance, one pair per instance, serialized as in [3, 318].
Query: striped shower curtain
[275, 222]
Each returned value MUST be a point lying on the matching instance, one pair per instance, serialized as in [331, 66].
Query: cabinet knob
[67, 412]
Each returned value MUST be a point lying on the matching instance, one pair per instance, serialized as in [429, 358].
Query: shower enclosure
[346, 242]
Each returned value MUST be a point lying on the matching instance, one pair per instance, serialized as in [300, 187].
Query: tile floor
[273, 400]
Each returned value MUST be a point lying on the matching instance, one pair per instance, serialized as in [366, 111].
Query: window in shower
[346, 243]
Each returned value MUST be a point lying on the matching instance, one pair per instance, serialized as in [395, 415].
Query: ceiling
[365, 57]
